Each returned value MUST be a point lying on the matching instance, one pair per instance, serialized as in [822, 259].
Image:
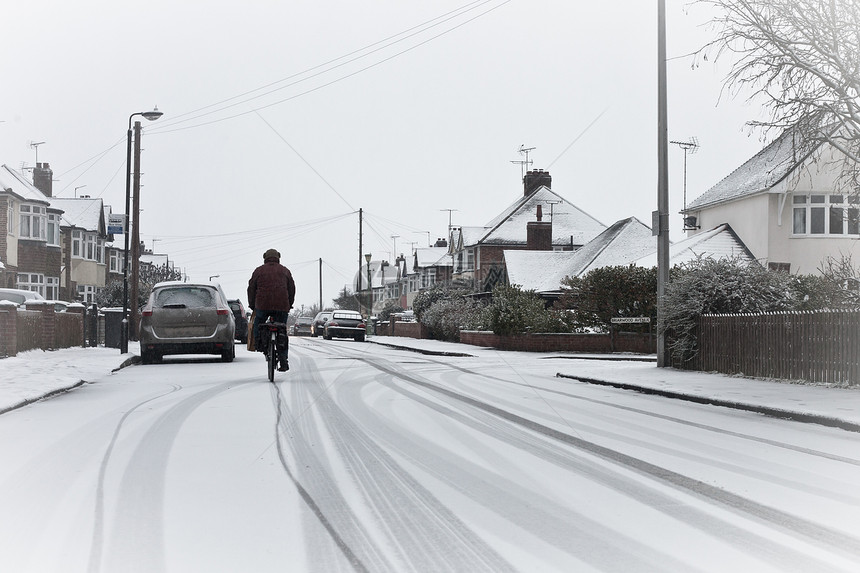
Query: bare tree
[802, 57]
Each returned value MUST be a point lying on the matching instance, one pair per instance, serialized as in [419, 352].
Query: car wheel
[229, 355]
[359, 338]
[147, 356]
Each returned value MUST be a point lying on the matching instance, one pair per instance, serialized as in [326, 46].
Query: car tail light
[361, 325]
[223, 311]
[147, 312]
[332, 323]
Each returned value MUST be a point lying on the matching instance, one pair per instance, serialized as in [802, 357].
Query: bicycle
[271, 352]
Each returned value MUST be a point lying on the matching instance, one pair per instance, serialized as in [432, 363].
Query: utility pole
[360, 254]
[660, 220]
[321, 300]
[135, 236]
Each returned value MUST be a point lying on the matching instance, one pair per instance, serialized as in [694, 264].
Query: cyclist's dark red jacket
[271, 287]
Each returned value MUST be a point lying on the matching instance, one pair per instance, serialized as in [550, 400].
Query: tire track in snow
[137, 533]
[97, 542]
[775, 443]
[419, 532]
[839, 542]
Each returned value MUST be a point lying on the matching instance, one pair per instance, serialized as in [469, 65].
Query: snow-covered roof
[15, 182]
[758, 174]
[462, 237]
[542, 271]
[432, 257]
[718, 243]
[81, 212]
[569, 223]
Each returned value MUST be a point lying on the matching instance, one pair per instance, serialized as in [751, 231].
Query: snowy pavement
[36, 374]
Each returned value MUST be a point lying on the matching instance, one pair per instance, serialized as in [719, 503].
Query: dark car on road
[345, 324]
[318, 327]
[187, 318]
[303, 326]
[239, 316]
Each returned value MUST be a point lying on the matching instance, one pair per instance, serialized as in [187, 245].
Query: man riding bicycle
[271, 292]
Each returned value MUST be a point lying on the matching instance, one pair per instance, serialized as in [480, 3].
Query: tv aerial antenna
[35, 145]
[551, 205]
[689, 148]
[523, 150]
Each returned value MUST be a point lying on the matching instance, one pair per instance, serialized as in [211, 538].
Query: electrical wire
[164, 128]
[403, 36]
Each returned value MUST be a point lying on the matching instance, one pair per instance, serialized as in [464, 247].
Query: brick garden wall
[619, 342]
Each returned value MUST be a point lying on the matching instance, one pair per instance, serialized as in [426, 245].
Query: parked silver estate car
[345, 324]
[186, 318]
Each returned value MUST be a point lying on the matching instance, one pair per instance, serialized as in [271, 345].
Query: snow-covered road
[364, 458]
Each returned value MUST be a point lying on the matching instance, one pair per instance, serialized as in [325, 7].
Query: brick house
[478, 252]
[83, 240]
[29, 233]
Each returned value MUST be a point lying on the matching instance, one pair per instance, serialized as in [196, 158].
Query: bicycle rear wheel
[272, 357]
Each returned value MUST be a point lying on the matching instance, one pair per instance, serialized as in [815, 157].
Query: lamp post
[150, 116]
[369, 288]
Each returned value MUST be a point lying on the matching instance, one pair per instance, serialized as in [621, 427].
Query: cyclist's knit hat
[271, 254]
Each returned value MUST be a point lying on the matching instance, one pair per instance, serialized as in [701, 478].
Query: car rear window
[347, 315]
[184, 297]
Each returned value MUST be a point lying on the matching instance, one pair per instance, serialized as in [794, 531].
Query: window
[32, 281]
[10, 217]
[470, 260]
[87, 293]
[52, 288]
[116, 258]
[827, 215]
[87, 246]
[33, 222]
[77, 244]
[53, 229]
[90, 242]
[428, 277]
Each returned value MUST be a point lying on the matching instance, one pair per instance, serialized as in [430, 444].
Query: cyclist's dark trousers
[260, 317]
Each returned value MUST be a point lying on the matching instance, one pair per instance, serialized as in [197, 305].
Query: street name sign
[631, 319]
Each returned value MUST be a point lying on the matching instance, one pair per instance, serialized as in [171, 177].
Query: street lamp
[149, 116]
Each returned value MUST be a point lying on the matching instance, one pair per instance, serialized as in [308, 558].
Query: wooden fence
[819, 346]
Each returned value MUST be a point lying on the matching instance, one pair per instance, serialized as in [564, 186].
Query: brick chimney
[539, 233]
[42, 177]
[536, 179]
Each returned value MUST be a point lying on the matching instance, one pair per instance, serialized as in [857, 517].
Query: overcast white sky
[400, 107]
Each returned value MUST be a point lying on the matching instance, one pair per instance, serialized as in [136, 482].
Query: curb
[35, 399]
[619, 358]
[765, 410]
[133, 359]
[428, 352]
